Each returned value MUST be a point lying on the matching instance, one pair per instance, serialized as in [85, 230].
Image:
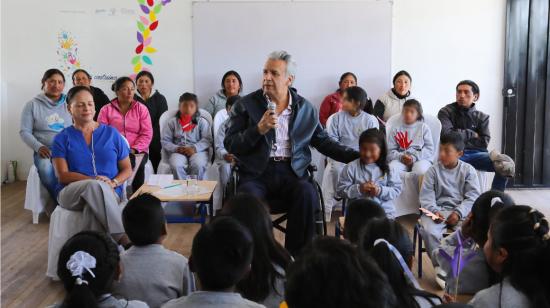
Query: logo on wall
[67, 50]
[146, 24]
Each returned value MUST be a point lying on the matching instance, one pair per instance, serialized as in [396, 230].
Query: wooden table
[203, 199]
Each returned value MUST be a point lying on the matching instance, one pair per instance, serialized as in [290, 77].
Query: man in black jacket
[473, 125]
[271, 146]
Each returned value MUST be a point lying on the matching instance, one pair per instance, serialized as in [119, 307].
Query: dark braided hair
[524, 233]
[105, 251]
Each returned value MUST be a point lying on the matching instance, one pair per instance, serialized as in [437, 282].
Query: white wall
[438, 41]
[29, 45]
[320, 63]
[441, 42]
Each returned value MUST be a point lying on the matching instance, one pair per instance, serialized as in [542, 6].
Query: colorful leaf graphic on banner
[146, 25]
[147, 60]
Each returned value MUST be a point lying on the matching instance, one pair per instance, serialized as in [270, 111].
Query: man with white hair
[269, 132]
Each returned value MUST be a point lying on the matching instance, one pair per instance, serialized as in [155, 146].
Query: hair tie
[495, 200]
[79, 281]
[537, 226]
[532, 211]
[402, 262]
[78, 262]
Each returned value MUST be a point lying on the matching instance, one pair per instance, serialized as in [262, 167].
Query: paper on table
[180, 190]
[161, 180]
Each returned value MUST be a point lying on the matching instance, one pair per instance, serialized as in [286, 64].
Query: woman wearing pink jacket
[131, 118]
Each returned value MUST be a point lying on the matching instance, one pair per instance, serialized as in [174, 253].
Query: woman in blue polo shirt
[91, 162]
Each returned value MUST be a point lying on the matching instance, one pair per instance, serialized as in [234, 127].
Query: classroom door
[526, 92]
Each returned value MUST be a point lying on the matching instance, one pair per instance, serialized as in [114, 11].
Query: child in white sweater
[370, 176]
[345, 127]
[449, 189]
[410, 144]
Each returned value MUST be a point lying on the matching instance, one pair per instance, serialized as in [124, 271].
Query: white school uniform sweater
[453, 189]
[422, 146]
[277, 294]
[207, 299]
[109, 301]
[173, 136]
[153, 274]
[356, 173]
[346, 128]
[509, 297]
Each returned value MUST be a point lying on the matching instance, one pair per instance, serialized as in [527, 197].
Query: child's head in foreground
[87, 265]
[143, 220]
[221, 254]
[518, 248]
[331, 272]
[359, 213]
[484, 209]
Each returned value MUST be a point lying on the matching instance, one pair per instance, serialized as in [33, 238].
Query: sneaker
[503, 164]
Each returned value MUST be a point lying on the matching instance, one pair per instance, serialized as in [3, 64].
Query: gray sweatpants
[98, 203]
[432, 232]
[195, 165]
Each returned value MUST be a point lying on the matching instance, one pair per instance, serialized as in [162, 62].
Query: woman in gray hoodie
[42, 118]
[231, 85]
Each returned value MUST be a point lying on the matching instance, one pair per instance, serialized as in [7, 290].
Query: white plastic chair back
[164, 165]
[327, 183]
[63, 225]
[36, 195]
[219, 119]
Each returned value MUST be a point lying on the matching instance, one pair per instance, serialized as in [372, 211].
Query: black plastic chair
[277, 206]
[418, 245]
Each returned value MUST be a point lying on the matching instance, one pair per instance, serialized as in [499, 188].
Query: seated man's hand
[267, 122]
[453, 219]
[229, 158]
[180, 150]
